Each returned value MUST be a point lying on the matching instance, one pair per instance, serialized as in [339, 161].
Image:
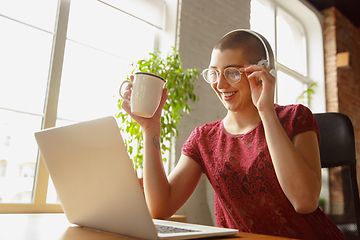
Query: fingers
[125, 92]
[262, 85]
[256, 70]
[257, 74]
[128, 86]
[126, 107]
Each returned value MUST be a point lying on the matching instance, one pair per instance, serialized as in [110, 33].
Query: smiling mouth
[227, 95]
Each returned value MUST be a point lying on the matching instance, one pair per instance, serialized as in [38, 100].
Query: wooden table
[57, 227]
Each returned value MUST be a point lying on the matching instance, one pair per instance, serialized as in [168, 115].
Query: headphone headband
[269, 52]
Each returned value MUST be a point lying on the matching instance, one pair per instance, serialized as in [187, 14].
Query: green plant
[322, 203]
[180, 87]
[307, 93]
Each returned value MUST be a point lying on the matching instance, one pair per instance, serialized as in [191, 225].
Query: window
[295, 35]
[3, 164]
[62, 62]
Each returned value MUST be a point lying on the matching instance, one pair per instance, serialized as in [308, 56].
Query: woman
[262, 159]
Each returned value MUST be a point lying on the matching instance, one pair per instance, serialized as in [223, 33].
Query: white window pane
[291, 44]
[103, 27]
[52, 197]
[18, 148]
[151, 11]
[38, 13]
[90, 83]
[262, 20]
[289, 89]
[24, 60]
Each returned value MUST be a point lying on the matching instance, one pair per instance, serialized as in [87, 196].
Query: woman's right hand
[144, 123]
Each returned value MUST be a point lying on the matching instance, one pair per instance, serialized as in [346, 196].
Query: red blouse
[248, 195]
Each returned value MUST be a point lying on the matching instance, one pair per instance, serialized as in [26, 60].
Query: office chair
[337, 148]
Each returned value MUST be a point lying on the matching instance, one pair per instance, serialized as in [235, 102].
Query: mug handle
[128, 82]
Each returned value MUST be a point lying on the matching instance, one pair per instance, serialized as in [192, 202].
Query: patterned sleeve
[298, 119]
[191, 147]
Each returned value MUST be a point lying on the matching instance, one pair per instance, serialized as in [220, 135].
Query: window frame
[311, 21]
[41, 179]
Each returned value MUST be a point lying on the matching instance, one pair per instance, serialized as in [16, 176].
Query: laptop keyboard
[168, 229]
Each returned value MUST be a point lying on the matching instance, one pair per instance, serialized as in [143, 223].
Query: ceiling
[350, 8]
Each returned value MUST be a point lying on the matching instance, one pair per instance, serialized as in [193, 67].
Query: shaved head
[252, 47]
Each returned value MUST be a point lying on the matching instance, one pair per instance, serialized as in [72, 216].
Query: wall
[202, 24]
[343, 84]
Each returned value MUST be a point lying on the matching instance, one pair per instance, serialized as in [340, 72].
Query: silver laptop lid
[94, 178]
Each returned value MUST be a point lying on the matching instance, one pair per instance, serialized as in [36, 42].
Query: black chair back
[337, 148]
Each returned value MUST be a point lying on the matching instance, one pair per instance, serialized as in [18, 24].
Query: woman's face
[234, 96]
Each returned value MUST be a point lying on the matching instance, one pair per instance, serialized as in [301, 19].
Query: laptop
[98, 187]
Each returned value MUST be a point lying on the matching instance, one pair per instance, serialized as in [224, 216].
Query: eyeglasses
[232, 75]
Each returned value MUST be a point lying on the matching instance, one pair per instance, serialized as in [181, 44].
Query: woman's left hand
[262, 85]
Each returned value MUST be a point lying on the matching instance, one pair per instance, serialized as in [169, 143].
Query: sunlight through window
[100, 44]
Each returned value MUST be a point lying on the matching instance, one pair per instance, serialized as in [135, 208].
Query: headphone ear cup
[273, 72]
[266, 63]
[263, 62]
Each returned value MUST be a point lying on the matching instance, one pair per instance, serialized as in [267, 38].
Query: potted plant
[179, 83]
[307, 94]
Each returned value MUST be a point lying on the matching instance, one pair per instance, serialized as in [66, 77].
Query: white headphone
[269, 62]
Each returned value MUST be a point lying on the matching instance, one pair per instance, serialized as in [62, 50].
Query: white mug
[146, 93]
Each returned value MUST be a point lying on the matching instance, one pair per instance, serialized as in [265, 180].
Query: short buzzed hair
[254, 50]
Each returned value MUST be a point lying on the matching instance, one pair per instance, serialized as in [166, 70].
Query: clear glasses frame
[231, 74]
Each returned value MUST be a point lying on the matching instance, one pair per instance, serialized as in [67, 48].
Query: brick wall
[343, 84]
[332, 101]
